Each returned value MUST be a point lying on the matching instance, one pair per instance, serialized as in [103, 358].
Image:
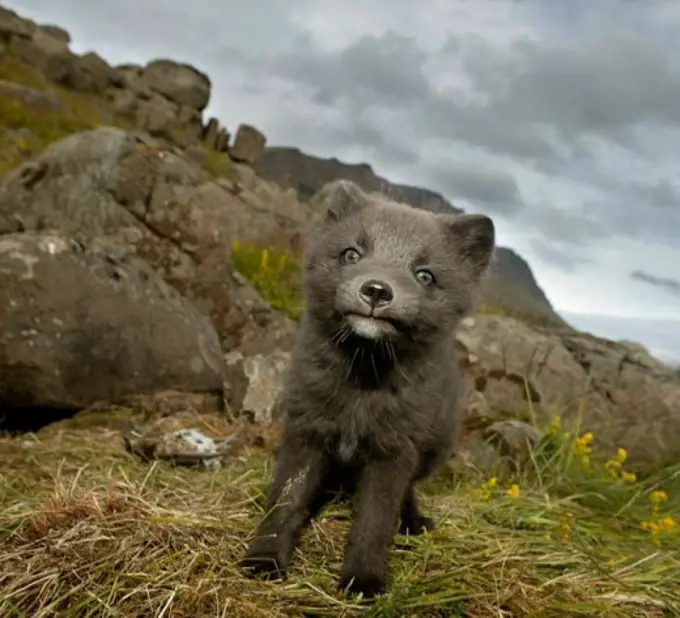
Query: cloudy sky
[560, 118]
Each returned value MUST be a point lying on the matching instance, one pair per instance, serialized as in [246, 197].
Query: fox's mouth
[369, 326]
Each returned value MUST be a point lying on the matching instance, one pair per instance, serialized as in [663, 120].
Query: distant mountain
[510, 287]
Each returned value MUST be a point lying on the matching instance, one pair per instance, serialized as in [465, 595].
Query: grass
[86, 530]
[82, 113]
[217, 163]
[274, 273]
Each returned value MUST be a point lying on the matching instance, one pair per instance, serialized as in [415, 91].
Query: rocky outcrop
[164, 98]
[510, 284]
[157, 204]
[248, 145]
[625, 397]
[83, 322]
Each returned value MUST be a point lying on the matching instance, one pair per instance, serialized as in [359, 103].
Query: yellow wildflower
[264, 259]
[621, 454]
[657, 498]
[491, 483]
[628, 477]
[668, 523]
[582, 444]
[512, 491]
[485, 489]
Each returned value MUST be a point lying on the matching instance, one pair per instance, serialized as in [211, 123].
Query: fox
[372, 396]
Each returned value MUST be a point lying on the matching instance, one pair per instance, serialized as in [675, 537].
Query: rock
[518, 373]
[517, 368]
[181, 83]
[89, 73]
[222, 140]
[210, 132]
[253, 384]
[125, 103]
[157, 116]
[52, 39]
[25, 50]
[159, 205]
[56, 32]
[516, 438]
[83, 322]
[11, 25]
[248, 144]
[131, 74]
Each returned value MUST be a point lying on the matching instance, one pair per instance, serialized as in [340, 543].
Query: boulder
[11, 25]
[210, 132]
[84, 322]
[157, 203]
[518, 372]
[248, 145]
[52, 39]
[178, 82]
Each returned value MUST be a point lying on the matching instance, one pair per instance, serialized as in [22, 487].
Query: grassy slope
[86, 530]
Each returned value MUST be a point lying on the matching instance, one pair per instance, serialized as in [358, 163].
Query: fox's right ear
[341, 198]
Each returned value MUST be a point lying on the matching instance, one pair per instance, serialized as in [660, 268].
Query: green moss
[217, 163]
[275, 274]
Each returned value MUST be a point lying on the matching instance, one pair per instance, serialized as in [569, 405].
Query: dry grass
[86, 530]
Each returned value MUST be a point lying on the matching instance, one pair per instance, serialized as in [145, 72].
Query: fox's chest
[368, 424]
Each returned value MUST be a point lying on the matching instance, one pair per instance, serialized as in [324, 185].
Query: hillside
[149, 301]
[511, 285]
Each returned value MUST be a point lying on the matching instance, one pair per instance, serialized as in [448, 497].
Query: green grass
[82, 113]
[86, 530]
[275, 274]
[217, 163]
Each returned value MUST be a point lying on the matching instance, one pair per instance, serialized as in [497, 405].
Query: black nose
[376, 293]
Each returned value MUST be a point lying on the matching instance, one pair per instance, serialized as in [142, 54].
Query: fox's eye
[350, 256]
[425, 277]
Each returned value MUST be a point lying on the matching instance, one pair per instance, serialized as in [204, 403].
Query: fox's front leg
[382, 487]
[297, 483]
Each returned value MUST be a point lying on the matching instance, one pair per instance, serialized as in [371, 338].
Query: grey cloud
[649, 212]
[386, 69]
[574, 227]
[666, 283]
[496, 189]
[564, 257]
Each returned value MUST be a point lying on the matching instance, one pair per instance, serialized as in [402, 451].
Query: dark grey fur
[371, 400]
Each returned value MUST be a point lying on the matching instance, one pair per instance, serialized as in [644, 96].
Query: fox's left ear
[473, 238]
[342, 198]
